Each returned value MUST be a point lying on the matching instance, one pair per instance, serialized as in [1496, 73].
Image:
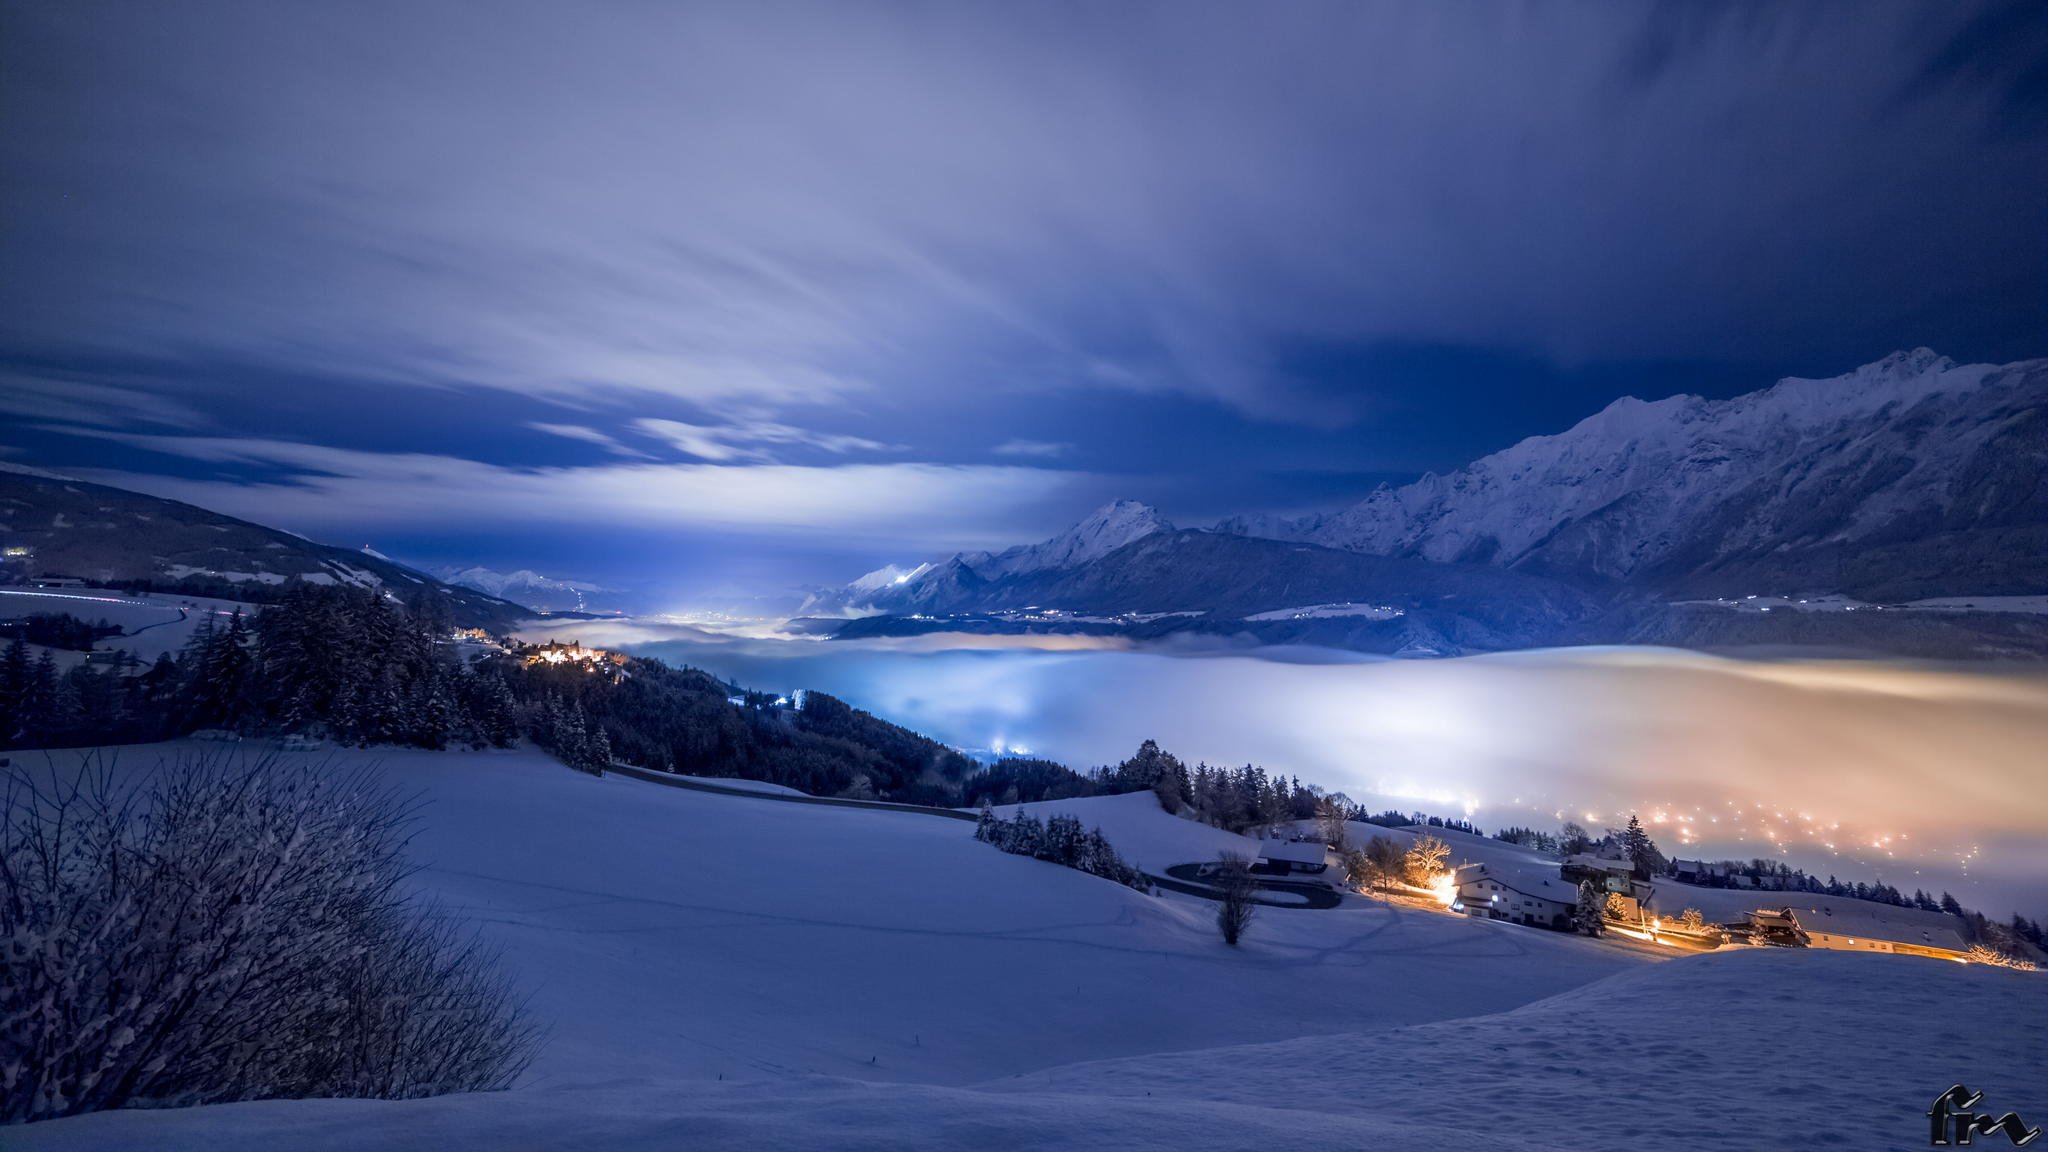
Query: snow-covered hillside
[1910, 476]
[738, 972]
[59, 527]
[949, 581]
[1142, 832]
[1103, 531]
[153, 624]
[525, 587]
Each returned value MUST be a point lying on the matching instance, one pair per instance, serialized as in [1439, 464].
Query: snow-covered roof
[1862, 920]
[1527, 881]
[1292, 851]
[1599, 863]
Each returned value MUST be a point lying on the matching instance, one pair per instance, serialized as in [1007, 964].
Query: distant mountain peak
[1922, 457]
[1108, 528]
[524, 586]
[1101, 532]
[1905, 363]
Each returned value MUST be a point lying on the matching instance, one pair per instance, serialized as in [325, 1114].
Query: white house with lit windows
[1283, 857]
[1520, 896]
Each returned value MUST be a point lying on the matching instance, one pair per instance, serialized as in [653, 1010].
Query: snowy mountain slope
[95, 532]
[680, 934]
[1911, 476]
[525, 587]
[959, 578]
[1197, 581]
[1105, 530]
[737, 973]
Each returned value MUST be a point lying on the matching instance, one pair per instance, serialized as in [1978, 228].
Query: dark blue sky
[733, 295]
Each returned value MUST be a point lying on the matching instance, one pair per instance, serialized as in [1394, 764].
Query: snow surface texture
[879, 980]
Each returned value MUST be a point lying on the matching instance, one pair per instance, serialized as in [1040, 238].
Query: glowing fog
[1920, 777]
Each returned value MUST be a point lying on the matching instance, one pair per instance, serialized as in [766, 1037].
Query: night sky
[735, 296]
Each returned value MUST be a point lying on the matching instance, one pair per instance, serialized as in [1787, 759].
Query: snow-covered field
[739, 972]
[155, 623]
[737, 785]
[1143, 833]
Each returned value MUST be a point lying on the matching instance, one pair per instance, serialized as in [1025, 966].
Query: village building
[1496, 892]
[1860, 926]
[1700, 872]
[1603, 874]
[1282, 857]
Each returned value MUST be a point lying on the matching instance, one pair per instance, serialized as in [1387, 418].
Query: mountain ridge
[107, 535]
[1910, 478]
[1907, 477]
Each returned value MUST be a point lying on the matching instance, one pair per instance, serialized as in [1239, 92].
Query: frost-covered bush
[221, 930]
[1979, 954]
[1237, 892]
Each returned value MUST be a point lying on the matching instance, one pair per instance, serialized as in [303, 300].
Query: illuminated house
[1860, 926]
[1284, 856]
[1699, 872]
[1493, 892]
[1603, 874]
[575, 655]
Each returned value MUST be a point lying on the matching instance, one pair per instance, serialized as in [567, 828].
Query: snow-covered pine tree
[1589, 916]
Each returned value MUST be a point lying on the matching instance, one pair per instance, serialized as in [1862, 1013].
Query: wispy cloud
[1036, 449]
[794, 205]
[80, 401]
[750, 440]
[913, 507]
[587, 435]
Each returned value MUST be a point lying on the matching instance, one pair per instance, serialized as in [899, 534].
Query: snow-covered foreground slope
[733, 972]
[1756, 1048]
[676, 933]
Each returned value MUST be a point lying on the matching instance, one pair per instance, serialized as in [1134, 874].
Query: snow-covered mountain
[524, 587]
[1105, 530]
[57, 526]
[956, 579]
[1912, 476]
[1908, 479]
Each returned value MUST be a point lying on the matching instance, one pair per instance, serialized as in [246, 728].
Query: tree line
[1233, 799]
[1059, 839]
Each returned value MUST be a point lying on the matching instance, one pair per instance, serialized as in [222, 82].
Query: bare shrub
[1333, 813]
[1426, 858]
[217, 931]
[1238, 890]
